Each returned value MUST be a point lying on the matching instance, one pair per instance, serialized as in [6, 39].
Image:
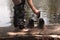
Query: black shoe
[41, 23]
[31, 23]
